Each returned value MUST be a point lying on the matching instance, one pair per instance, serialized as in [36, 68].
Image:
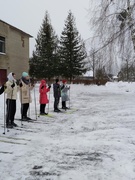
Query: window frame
[2, 45]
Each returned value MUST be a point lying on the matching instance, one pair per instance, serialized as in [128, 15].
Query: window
[22, 39]
[2, 44]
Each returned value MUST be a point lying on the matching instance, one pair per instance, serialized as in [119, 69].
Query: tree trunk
[131, 22]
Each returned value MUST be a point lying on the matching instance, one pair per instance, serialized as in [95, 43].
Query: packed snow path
[96, 142]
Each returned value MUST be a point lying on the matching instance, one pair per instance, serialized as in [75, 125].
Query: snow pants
[11, 110]
[56, 103]
[24, 109]
[42, 108]
[63, 104]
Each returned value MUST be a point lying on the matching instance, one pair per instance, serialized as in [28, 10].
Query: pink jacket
[43, 93]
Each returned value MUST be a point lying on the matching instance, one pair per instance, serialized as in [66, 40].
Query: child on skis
[25, 95]
[56, 94]
[64, 94]
[43, 99]
[11, 91]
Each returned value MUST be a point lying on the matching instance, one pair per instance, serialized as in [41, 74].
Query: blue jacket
[64, 93]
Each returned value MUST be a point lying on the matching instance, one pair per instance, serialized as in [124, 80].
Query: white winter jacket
[25, 93]
[11, 92]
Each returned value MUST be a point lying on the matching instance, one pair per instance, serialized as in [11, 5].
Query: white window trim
[2, 53]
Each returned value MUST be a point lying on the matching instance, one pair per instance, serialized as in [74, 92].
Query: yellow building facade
[14, 51]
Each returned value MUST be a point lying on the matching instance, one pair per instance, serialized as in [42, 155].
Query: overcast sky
[28, 15]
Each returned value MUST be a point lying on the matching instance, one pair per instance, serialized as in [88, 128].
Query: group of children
[11, 87]
[58, 91]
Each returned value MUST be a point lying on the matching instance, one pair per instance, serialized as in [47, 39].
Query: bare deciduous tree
[113, 24]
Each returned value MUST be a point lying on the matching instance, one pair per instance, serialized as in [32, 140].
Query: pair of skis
[12, 140]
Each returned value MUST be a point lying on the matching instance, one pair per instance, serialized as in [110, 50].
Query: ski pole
[9, 109]
[69, 97]
[49, 101]
[30, 88]
[21, 107]
[4, 115]
[29, 102]
[39, 111]
[8, 112]
[35, 103]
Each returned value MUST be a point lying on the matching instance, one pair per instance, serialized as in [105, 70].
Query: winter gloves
[62, 87]
[21, 84]
[44, 86]
[13, 85]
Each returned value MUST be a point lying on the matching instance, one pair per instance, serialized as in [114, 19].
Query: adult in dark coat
[57, 95]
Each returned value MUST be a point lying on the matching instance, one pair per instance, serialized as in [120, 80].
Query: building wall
[4, 57]
[16, 57]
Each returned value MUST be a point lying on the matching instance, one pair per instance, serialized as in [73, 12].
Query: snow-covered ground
[96, 142]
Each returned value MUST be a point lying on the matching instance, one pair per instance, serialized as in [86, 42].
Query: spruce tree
[71, 50]
[42, 64]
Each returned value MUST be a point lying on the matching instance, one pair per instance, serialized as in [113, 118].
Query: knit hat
[64, 81]
[24, 74]
[57, 80]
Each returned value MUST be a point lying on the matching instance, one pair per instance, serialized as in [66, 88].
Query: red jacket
[43, 93]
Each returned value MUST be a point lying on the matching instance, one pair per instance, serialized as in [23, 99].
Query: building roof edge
[17, 29]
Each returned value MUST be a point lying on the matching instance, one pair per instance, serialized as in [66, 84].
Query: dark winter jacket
[56, 90]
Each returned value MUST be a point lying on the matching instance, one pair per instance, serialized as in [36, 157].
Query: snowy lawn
[95, 142]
